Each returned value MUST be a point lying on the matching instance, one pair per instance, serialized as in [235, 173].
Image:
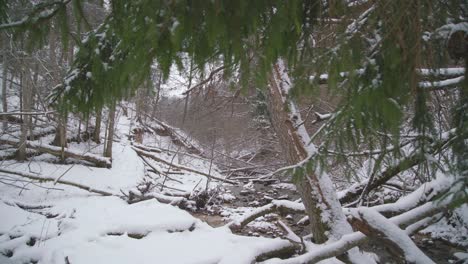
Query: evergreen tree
[382, 62]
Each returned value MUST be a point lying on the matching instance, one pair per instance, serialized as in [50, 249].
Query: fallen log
[26, 113]
[98, 161]
[397, 241]
[131, 197]
[355, 191]
[321, 252]
[281, 206]
[424, 193]
[154, 157]
[48, 179]
[282, 252]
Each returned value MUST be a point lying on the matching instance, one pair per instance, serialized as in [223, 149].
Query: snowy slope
[51, 223]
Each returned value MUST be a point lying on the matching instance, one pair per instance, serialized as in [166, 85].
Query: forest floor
[44, 222]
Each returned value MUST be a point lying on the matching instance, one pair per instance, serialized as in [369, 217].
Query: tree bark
[61, 133]
[110, 129]
[25, 126]
[315, 187]
[4, 90]
[295, 151]
[97, 127]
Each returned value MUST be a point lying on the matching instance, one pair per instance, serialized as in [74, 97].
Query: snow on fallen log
[439, 85]
[445, 72]
[282, 206]
[375, 225]
[54, 180]
[321, 252]
[354, 192]
[440, 73]
[98, 161]
[133, 197]
[181, 167]
[26, 113]
[424, 193]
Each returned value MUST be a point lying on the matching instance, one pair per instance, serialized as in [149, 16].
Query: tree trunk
[316, 189]
[61, 133]
[97, 127]
[26, 98]
[110, 129]
[4, 90]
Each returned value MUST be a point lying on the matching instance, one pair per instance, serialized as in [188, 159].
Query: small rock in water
[254, 203]
[224, 213]
[244, 192]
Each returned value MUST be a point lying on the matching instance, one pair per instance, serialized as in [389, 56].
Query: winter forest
[233, 131]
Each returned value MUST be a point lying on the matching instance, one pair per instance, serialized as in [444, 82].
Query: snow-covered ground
[47, 223]
[43, 222]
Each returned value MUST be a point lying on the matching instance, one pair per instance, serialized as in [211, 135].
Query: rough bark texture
[295, 151]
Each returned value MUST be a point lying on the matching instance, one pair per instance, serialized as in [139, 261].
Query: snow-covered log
[26, 113]
[355, 191]
[98, 161]
[172, 200]
[397, 241]
[455, 76]
[48, 179]
[417, 216]
[281, 206]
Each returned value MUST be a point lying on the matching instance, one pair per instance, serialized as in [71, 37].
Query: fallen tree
[356, 190]
[397, 241]
[98, 161]
[180, 167]
[131, 197]
[415, 219]
[54, 180]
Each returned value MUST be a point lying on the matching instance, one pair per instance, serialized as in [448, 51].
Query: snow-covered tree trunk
[316, 189]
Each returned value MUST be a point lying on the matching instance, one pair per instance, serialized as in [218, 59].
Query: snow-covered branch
[41, 12]
[26, 113]
[439, 85]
